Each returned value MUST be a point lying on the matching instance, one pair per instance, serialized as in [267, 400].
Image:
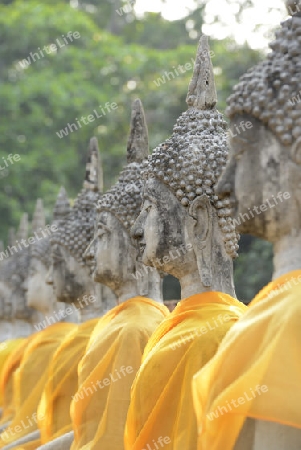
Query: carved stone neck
[192, 285]
[287, 255]
[130, 289]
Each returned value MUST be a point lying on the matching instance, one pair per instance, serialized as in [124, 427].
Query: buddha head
[263, 176]
[114, 250]
[13, 278]
[184, 228]
[69, 274]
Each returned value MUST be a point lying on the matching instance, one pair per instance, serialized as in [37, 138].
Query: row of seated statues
[91, 358]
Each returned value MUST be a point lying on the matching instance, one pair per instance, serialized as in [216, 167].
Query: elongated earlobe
[201, 211]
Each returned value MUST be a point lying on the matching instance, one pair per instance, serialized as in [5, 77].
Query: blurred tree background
[117, 58]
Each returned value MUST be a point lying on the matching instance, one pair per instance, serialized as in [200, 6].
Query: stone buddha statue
[40, 295]
[185, 230]
[16, 316]
[116, 255]
[263, 180]
[118, 340]
[69, 274]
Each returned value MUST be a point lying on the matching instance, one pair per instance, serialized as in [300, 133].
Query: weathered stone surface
[16, 318]
[113, 249]
[69, 274]
[184, 228]
[263, 178]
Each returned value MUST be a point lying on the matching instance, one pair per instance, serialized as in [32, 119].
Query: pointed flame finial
[138, 146]
[94, 169]
[62, 205]
[23, 228]
[202, 91]
[38, 220]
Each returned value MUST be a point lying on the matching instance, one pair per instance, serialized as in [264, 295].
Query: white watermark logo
[245, 397]
[116, 375]
[280, 288]
[297, 8]
[126, 8]
[159, 443]
[48, 49]
[24, 243]
[240, 128]
[86, 119]
[62, 313]
[269, 203]
[208, 326]
[7, 161]
[10, 432]
[177, 71]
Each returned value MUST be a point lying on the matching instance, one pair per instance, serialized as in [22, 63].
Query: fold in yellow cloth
[6, 349]
[256, 372]
[107, 370]
[161, 409]
[30, 379]
[7, 380]
[54, 418]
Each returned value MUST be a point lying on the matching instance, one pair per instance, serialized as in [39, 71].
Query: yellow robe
[256, 372]
[30, 379]
[54, 409]
[161, 410]
[107, 370]
[6, 380]
[6, 349]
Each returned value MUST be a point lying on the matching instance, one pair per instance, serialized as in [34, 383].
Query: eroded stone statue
[40, 295]
[16, 317]
[263, 178]
[186, 230]
[69, 274]
[116, 345]
[71, 278]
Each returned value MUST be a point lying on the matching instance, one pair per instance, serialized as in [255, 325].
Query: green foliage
[253, 268]
[154, 31]
[116, 59]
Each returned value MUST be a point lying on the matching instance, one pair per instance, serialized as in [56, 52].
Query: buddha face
[40, 295]
[70, 280]
[6, 291]
[165, 231]
[260, 178]
[115, 253]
